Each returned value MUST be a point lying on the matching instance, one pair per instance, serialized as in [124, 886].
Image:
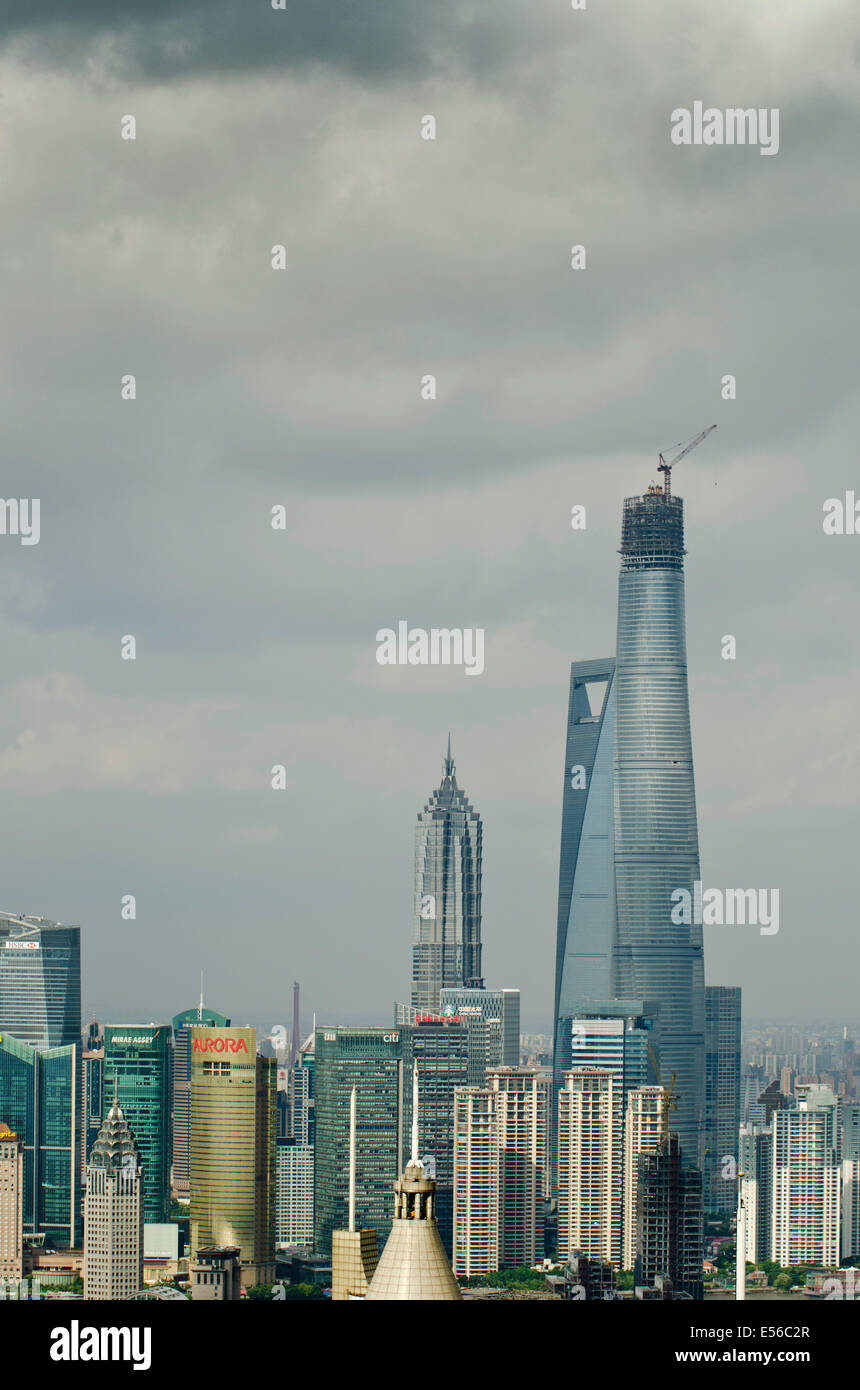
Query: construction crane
[666, 468]
[670, 1100]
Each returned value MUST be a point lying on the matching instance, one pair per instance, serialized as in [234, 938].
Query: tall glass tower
[446, 938]
[40, 981]
[629, 831]
[656, 834]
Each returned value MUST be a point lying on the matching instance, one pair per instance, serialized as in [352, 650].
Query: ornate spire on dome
[116, 1146]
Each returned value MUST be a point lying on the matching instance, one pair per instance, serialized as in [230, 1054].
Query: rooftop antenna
[296, 1042]
[666, 468]
[200, 1005]
[352, 1109]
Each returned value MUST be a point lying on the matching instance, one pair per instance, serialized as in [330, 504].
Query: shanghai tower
[656, 834]
[446, 937]
[629, 831]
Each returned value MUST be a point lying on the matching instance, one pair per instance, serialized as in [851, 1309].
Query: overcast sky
[301, 387]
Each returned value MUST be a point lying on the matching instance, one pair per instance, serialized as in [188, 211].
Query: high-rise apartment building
[589, 1165]
[500, 1171]
[113, 1213]
[805, 1226]
[40, 981]
[643, 1133]
[294, 1193]
[183, 1024]
[722, 1095]
[232, 1142]
[446, 938]
[137, 1065]
[378, 1062]
[629, 848]
[755, 1164]
[669, 1221]
[40, 1102]
[614, 1035]
[11, 1205]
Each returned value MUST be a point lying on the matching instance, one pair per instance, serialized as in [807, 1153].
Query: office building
[294, 1193]
[92, 1102]
[137, 1065]
[300, 1094]
[586, 899]
[441, 1051]
[500, 1168]
[216, 1274]
[183, 1024]
[11, 1205]
[669, 1222]
[849, 1127]
[722, 1095]
[447, 917]
[378, 1063]
[232, 1143]
[40, 981]
[40, 1102]
[113, 1213]
[805, 1226]
[493, 1015]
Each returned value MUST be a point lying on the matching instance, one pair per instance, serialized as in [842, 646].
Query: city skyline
[556, 388]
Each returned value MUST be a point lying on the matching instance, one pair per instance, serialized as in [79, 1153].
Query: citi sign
[219, 1045]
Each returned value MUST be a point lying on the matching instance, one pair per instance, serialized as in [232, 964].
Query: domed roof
[414, 1266]
[115, 1146]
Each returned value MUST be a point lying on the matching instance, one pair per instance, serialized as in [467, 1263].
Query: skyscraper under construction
[629, 830]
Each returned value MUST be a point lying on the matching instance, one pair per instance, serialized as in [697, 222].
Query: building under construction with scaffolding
[669, 1223]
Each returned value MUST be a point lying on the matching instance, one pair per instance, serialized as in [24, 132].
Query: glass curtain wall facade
[40, 1102]
[137, 1069]
[378, 1062]
[586, 890]
[232, 1143]
[446, 938]
[722, 1094]
[656, 834]
[40, 981]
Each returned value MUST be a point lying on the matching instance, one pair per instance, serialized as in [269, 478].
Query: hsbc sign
[219, 1045]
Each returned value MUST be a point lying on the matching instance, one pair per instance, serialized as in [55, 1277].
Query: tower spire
[449, 760]
[200, 1005]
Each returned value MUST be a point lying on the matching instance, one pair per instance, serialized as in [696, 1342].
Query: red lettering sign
[219, 1045]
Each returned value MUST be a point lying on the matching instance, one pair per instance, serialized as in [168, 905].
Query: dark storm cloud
[166, 39]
